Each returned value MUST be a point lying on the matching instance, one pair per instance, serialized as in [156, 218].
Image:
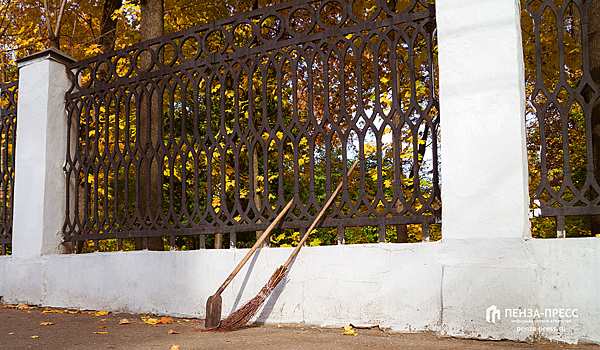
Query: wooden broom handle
[321, 213]
[255, 247]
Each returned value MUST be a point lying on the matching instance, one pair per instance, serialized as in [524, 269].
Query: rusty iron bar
[567, 186]
[8, 130]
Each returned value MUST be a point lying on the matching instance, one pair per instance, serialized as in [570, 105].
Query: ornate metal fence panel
[8, 129]
[561, 99]
[213, 129]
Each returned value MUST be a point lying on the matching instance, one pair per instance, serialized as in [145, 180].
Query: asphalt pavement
[26, 327]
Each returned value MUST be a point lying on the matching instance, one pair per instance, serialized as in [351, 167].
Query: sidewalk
[45, 328]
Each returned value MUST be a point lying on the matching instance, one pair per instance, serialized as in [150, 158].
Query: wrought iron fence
[8, 129]
[562, 94]
[213, 129]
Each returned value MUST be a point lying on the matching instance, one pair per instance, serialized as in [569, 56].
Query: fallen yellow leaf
[25, 307]
[165, 320]
[11, 333]
[102, 327]
[34, 337]
[98, 313]
[173, 332]
[151, 321]
[50, 311]
[47, 324]
[349, 331]
[175, 347]
[99, 332]
[123, 321]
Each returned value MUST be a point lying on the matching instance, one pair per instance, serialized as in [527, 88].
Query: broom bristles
[241, 316]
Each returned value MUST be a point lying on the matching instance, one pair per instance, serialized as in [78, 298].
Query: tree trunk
[594, 59]
[150, 124]
[108, 25]
[151, 21]
[54, 41]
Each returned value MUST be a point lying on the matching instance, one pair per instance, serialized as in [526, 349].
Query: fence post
[482, 109]
[40, 186]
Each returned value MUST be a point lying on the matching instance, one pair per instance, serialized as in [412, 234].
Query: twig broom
[213, 304]
[242, 315]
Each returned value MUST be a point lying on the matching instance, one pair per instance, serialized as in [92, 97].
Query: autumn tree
[108, 24]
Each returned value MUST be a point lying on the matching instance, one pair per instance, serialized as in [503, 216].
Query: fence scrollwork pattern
[213, 129]
[561, 98]
[8, 130]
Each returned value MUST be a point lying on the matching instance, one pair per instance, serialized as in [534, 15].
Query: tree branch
[48, 23]
[59, 19]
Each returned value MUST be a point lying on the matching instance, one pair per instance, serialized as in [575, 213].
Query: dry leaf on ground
[349, 331]
[34, 337]
[50, 311]
[153, 321]
[47, 324]
[98, 313]
[99, 332]
[175, 347]
[165, 320]
[173, 332]
[149, 320]
[123, 321]
[102, 327]
[25, 307]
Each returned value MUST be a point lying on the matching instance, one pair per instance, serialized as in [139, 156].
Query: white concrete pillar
[482, 111]
[39, 195]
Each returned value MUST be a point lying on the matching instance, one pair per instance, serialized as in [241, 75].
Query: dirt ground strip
[48, 328]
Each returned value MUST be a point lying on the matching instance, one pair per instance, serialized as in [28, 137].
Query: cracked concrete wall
[443, 286]
[329, 286]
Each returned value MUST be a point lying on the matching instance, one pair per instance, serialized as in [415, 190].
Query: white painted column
[482, 110]
[40, 186]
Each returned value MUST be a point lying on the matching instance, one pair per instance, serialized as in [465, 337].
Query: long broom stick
[213, 304]
[242, 315]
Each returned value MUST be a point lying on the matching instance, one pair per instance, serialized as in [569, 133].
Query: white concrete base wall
[444, 287]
